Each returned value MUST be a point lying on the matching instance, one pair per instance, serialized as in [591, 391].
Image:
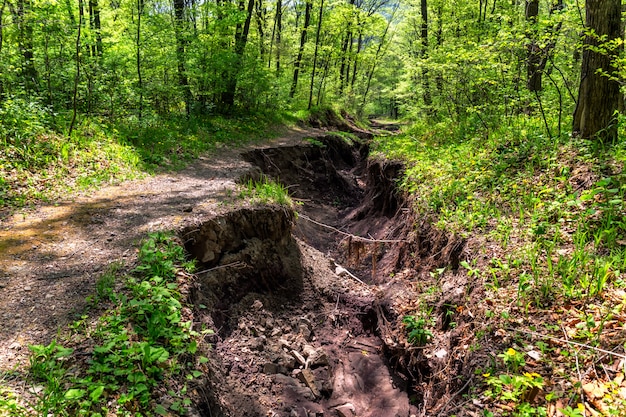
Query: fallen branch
[556, 339]
[341, 271]
[237, 264]
[363, 239]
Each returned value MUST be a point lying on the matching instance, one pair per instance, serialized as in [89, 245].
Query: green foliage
[266, 192]
[416, 327]
[139, 344]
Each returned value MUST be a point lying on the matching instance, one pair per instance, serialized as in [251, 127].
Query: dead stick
[364, 239]
[556, 339]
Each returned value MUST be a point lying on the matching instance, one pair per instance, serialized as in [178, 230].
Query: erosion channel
[304, 304]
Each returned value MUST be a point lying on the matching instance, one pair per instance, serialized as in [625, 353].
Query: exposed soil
[307, 307]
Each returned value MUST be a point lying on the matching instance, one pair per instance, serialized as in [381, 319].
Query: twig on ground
[570, 342]
[237, 264]
[363, 239]
[580, 378]
[443, 409]
[343, 271]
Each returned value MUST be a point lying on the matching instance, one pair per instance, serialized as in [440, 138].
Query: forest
[493, 130]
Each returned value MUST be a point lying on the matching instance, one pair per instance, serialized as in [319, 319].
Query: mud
[308, 306]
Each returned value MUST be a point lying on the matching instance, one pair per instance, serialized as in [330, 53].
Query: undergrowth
[545, 218]
[39, 162]
[142, 351]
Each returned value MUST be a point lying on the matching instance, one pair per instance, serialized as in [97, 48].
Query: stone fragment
[257, 305]
[298, 357]
[346, 410]
[307, 377]
[315, 357]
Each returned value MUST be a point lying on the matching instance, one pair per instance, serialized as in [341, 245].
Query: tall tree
[424, 52]
[180, 29]
[241, 39]
[24, 20]
[599, 94]
[298, 62]
[317, 44]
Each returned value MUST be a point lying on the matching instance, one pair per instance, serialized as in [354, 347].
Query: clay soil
[306, 306]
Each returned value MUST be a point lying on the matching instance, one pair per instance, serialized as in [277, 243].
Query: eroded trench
[303, 304]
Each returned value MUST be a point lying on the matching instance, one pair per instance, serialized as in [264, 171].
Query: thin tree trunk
[424, 52]
[77, 74]
[95, 25]
[378, 53]
[296, 65]
[533, 57]
[180, 26]
[138, 56]
[260, 23]
[344, 51]
[4, 2]
[25, 43]
[317, 42]
[279, 29]
[241, 38]
[356, 57]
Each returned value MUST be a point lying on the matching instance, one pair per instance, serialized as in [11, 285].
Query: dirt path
[50, 258]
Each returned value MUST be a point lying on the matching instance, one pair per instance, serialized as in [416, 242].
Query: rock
[258, 343]
[315, 357]
[27, 288]
[346, 410]
[291, 384]
[287, 361]
[276, 331]
[307, 377]
[298, 357]
[270, 368]
[257, 305]
[305, 332]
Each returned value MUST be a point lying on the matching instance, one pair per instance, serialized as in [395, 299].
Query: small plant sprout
[418, 334]
[513, 360]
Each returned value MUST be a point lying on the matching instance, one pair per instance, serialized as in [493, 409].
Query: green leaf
[96, 393]
[74, 394]
[160, 410]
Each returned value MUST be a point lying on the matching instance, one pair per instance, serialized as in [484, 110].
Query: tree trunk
[25, 43]
[95, 26]
[296, 65]
[533, 57]
[317, 42]
[138, 56]
[424, 52]
[4, 2]
[77, 74]
[260, 23]
[344, 52]
[279, 29]
[241, 38]
[180, 27]
[599, 96]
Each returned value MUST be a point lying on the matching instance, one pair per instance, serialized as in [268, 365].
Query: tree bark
[533, 57]
[77, 74]
[4, 2]
[317, 42]
[95, 25]
[424, 52]
[138, 56]
[25, 43]
[241, 39]
[180, 27]
[298, 62]
[599, 94]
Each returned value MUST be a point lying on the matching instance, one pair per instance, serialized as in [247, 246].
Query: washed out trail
[306, 307]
